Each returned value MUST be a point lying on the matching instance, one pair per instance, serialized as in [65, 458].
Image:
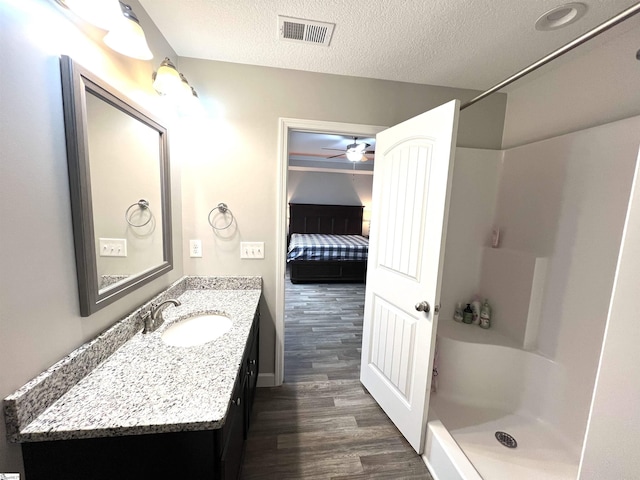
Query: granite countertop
[146, 386]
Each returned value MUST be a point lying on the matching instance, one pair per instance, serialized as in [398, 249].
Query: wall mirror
[118, 162]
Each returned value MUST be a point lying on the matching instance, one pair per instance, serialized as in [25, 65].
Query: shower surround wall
[566, 199]
[563, 200]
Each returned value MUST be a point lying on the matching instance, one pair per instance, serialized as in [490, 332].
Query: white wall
[595, 84]
[613, 436]
[40, 320]
[331, 189]
[233, 156]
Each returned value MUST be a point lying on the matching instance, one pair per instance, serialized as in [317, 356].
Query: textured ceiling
[458, 43]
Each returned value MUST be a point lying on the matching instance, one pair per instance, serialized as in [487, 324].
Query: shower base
[540, 453]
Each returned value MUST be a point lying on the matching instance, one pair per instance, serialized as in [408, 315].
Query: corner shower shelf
[474, 334]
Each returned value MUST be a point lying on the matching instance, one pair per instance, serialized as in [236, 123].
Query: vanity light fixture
[127, 37]
[186, 90]
[190, 98]
[166, 80]
[103, 14]
[191, 106]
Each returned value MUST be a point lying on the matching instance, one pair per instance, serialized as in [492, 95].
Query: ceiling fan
[355, 152]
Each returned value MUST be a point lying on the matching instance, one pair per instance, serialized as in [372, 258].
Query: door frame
[285, 126]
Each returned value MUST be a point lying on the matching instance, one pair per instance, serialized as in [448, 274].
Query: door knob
[423, 307]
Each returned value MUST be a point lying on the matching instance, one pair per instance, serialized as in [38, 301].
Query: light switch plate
[113, 247]
[254, 250]
[195, 248]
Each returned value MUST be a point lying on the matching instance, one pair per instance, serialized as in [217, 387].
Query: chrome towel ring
[143, 205]
[223, 209]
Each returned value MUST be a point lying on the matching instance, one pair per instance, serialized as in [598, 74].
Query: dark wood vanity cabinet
[234, 432]
[205, 454]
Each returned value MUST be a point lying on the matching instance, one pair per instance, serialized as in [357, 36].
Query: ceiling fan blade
[336, 149]
[334, 156]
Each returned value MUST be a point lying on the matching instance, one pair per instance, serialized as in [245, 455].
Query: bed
[326, 243]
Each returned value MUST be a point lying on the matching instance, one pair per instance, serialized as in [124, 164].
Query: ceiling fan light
[127, 36]
[357, 147]
[354, 155]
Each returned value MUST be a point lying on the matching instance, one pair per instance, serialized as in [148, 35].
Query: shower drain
[507, 440]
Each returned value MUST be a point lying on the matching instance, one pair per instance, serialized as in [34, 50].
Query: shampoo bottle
[476, 306]
[485, 315]
[457, 315]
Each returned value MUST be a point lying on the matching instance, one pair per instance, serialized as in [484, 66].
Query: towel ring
[223, 209]
[143, 205]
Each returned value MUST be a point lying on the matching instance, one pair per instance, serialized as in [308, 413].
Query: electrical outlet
[253, 250]
[195, 248]
[113, 247]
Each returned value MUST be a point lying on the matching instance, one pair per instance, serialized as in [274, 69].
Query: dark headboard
[336, 219]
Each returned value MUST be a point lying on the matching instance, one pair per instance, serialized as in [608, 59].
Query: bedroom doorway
[288, 127]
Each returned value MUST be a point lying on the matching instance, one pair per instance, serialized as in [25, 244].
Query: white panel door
[411, 184]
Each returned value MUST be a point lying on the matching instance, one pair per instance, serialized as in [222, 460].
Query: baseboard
[266, 380]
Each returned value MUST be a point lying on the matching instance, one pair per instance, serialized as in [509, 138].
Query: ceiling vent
[305, 31]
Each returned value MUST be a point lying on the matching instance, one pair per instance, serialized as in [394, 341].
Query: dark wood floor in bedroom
[322, 424]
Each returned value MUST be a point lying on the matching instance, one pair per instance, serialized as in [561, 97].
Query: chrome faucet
[153, 318]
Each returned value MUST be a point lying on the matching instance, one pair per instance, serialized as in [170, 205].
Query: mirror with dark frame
[118, 163]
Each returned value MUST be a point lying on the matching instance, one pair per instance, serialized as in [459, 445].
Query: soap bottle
[475, 308]
[457, 315]
[485, 315]
[467, 314]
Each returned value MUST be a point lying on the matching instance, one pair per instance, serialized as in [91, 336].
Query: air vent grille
[293, 31]
[305, 31]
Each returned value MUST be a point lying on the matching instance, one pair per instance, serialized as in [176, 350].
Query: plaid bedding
[315, 246]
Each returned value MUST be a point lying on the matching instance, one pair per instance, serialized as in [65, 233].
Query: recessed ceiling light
[561, 16]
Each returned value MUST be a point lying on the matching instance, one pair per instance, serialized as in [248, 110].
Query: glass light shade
[354, 155]
[100, 13]
[185, 89]
[167, 80]
[127, 37]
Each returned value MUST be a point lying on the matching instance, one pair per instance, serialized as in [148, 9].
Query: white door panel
[394, 334]
[410, 199]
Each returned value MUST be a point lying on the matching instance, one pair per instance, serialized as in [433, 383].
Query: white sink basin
[196, 330]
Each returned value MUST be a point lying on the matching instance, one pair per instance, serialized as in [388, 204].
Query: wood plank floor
[322, 424]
